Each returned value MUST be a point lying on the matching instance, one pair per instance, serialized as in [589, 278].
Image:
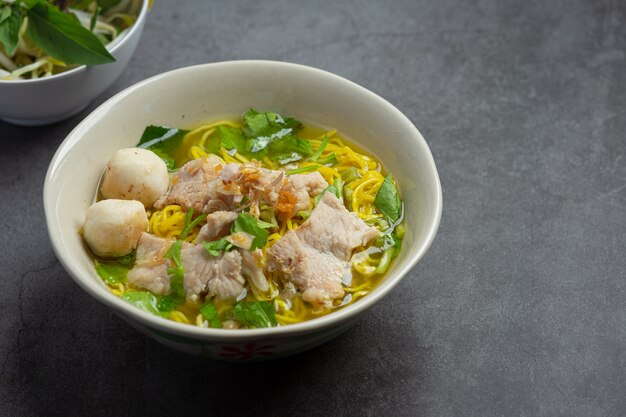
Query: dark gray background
[519, 308]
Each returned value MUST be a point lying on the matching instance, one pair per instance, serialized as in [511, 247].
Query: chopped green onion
[338, 185]
[319, 150]
[176, 272]
[303, 169]
[331, 158]
[385, 260]
[400, 230]
[347, 194]
[350, 174]
[189, 225]
[304, 214]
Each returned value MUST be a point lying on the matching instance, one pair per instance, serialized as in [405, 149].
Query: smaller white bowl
[51, 99]
[188, 96]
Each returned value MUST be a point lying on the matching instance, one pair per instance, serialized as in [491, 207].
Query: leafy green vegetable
[319, 150]
[303, 169]
[388, 200]
[209, 312]
[266, 124]
[255, 314]
[163, 141]
[146, 301]
[143, 300]
[270, 134]
[231, 138]
[176, 272]
[165, 304]
[190, 224]
[63, 37]
[94, 18]
[288, 149]
[250, 224]
[10, 22]
[115, 271]
[112, 272]
[217, 246]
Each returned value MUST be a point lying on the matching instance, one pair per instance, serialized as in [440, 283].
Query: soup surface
[266, 222]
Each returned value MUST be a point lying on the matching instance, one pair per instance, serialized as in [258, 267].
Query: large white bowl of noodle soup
[46, 100]
[189, 96]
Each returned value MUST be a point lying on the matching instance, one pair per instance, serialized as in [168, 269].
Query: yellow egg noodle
[362, 190]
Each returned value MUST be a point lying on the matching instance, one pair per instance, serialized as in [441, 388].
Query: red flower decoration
[247, 352]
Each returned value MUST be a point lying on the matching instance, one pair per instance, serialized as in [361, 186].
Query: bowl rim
[194, 332]
[134, 28]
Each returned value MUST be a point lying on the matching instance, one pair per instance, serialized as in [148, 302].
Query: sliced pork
[217, 226]
[205, 275]
[150, 269]
[316, 274]
[286, 194]
[190, 183]
[314, 256]
[333, 229]
[211, 276]
[252, 267]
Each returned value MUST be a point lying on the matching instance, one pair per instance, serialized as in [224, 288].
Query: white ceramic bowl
[188, 96]
[51, 99]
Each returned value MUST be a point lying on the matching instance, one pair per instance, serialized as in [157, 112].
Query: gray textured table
[519, 308]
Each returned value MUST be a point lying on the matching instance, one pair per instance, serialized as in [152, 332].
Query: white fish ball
[112, 228]
[135, 174]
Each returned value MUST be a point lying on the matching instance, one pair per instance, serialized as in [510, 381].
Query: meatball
[135, 174]
[113, 227]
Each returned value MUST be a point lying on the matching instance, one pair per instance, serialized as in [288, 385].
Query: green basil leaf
[216, 247]
[143, 300]
[255, 314]
[164, 138]
[10, 22]
[388, 200]
[163, 141]
[263, 129]
[265, 124]
[116, 270]
[231, 138]
[287, 145]
[176, 272]
[251, 225]
[209, 312]
[165, 304]
[62, 37]
[112, 273]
